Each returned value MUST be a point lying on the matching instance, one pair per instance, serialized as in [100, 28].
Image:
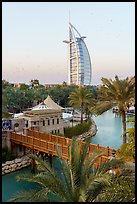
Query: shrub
[77, 130]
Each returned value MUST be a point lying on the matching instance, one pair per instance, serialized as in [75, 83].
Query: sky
[33, 34]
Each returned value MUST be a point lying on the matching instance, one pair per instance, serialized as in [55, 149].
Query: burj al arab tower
[79, 63]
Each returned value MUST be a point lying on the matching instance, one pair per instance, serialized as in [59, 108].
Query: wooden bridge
[47, 143]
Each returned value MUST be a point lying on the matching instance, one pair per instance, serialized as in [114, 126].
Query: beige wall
[6, 139]
[36, 123]
[21, 123]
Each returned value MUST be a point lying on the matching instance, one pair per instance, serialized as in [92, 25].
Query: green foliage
[7, 154]
[81, 98]
[127, 151]
[77, 129]
[6, 84]
[60, 94]
[7, 115]
[24, 87]
[117, 92]
[17, 99]
[78, 180]
[120, 191]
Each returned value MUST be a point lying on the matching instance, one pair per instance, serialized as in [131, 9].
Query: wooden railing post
[108, 151]
[97, 146]
[33, 142]
[62, 150]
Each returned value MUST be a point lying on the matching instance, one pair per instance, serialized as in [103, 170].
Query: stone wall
[92, 131]
[15, 164]
[6, 138]
[4, 134]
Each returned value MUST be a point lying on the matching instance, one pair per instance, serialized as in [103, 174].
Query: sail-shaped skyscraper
[79, 63]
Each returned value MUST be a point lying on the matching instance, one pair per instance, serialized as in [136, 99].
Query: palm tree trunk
[81, 116]
[124, 126]
[81, 113]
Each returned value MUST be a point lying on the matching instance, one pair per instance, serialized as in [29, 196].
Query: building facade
[44, 117]
[79, 63]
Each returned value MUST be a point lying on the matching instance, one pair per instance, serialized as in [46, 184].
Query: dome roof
[48, 103]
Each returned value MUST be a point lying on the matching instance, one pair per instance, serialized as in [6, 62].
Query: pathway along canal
[109, 134]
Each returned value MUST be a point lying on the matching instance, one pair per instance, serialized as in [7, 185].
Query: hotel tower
[79, 63]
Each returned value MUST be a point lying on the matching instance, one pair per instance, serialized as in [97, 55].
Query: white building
[79, 63]
[45, 117]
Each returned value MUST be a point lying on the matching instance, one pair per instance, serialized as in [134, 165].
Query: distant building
[79, 63]
[55, 85]
[18, 85]
[51, 85]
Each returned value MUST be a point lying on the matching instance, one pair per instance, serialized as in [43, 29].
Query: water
[109, 130]
[109, 134]
[10, 186]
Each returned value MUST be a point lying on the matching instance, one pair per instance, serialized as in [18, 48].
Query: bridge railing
[66, 141]
[39, 144]
[47, 143]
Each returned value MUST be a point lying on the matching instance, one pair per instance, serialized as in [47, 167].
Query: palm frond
[96, 186]
[42, 165]
[120, 190]
[101, 107]
[110, 164]
[22, 196]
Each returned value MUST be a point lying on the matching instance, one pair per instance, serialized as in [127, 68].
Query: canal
[110, 130]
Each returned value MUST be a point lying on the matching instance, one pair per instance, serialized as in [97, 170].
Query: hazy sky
[33, 34]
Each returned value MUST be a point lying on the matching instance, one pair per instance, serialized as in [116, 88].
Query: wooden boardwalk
[47, 143]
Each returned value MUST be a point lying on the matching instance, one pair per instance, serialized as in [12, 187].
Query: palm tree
[131, 137]
[78, 180]
[116, 93]
[120, 191]
[80, 98]
[127, 151]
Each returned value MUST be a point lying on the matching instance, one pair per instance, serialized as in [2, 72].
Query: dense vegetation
[127, 150]
[77, 129]
[16, 99]
[82, 98]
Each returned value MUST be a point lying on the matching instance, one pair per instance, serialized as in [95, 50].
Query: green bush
[77, 130]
